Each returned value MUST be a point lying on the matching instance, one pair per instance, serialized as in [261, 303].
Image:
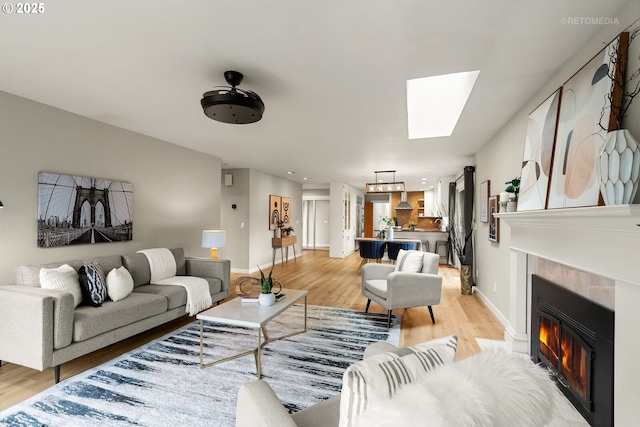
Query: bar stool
[444, 243]
[371, 249]
[425, 246]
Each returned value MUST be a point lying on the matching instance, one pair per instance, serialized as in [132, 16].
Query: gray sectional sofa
[40, 328]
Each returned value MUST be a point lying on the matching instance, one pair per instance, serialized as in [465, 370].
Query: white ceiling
[332, 73]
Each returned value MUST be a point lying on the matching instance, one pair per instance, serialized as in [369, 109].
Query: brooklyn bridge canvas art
[76, 210]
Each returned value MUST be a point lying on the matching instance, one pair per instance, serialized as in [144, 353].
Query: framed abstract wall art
[274, 212]
[584, 111]
[76, 210]
[279, 210]
[538, 154]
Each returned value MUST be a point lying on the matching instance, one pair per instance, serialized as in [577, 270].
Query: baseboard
[493, 308]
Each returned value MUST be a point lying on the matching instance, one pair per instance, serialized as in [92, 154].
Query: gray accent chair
[396, 289]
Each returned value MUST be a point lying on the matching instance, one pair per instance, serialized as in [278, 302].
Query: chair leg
[388, 318]
[364, 260]
[433, 320]
[366, 310]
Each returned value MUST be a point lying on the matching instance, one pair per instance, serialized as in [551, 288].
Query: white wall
[500, 160]
[236, 221]
[261, 185]
[176, 190]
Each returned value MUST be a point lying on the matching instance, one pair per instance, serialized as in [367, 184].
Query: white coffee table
[252, 315]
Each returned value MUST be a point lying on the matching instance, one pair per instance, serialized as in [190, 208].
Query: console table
[283, 243]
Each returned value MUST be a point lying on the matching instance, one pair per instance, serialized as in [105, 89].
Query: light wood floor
[330, 282]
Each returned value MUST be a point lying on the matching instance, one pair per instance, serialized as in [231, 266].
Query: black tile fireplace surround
[589, 328]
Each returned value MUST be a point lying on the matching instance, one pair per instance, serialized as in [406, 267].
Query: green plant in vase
[412, 225]
[267, 297]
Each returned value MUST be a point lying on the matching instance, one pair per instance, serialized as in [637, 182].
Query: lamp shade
[214, 238]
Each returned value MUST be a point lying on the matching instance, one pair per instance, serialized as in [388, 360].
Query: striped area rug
[161, 383]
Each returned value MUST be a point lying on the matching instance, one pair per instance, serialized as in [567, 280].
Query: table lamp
[214, 239]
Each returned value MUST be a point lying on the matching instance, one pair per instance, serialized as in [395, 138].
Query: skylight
[434, 104]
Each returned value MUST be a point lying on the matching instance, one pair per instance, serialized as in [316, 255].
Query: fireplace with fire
[573, 337]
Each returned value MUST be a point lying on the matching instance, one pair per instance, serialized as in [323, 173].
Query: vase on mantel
[619, 168]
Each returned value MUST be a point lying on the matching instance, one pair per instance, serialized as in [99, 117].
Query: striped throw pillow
[383, 375]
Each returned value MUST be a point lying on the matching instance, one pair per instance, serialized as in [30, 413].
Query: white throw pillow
[381, 376]
[119, 283]
[409, 261]
[63, 278]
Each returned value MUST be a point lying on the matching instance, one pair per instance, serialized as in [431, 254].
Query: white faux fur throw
[163, 272]
[493, 388]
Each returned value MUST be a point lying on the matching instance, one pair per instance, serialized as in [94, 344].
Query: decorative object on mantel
[620, 156]
[586, 109]
[513, 188]
[494, 223]
[538, 154]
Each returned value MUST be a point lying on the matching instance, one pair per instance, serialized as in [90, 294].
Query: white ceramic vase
[267, 299]
[390, 233]
[619, 168]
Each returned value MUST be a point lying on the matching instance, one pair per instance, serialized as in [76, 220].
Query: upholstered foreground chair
[371, 249]
[412, 282]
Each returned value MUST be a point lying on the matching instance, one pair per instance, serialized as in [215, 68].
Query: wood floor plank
[331, 282]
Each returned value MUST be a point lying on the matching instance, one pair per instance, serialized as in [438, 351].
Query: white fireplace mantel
[602, 240]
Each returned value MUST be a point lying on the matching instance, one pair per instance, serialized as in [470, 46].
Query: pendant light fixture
[385, 187]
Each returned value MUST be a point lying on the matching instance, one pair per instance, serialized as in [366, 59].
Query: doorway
[315, 224]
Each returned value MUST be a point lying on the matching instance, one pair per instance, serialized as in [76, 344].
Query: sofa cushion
[378, 287]
[93, 284]
[381, 376]
[63, 278]
[138, 266]
[92, 321]
[107, 263]
[29, 275]
[215, 285]
[176, 295]
[181, 263]
[119, 283]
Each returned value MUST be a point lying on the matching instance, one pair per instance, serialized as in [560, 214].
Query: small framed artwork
[274, 211]
[494, 223]
[484, 202]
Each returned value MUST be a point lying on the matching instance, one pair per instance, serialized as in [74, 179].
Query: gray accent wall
[176, 190]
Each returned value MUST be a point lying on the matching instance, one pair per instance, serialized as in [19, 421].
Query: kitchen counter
[428, 237]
